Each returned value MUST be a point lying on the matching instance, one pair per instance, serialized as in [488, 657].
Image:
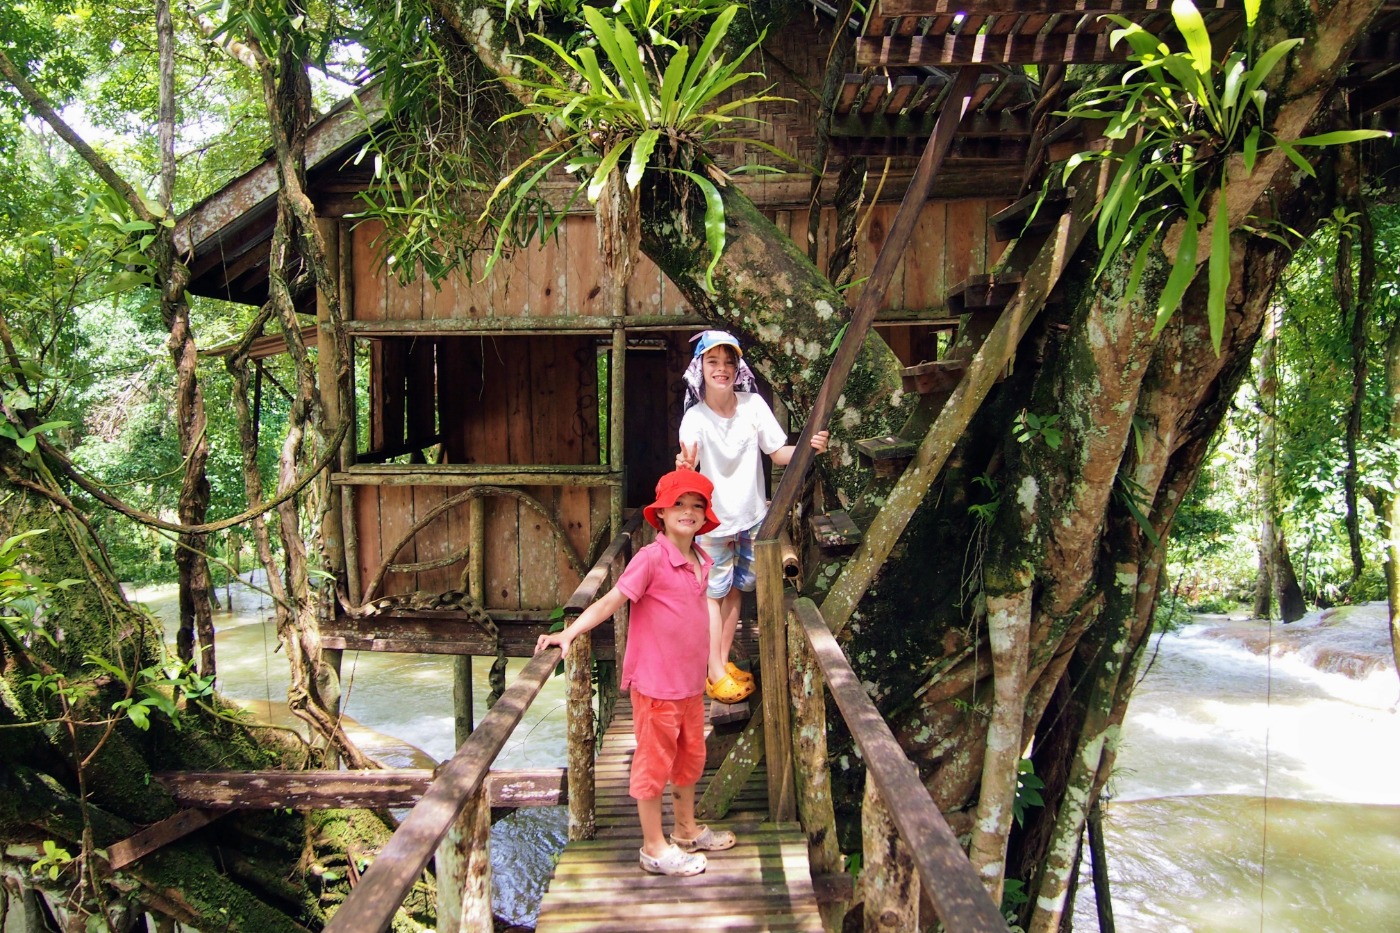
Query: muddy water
[399, 709]
[1257, 787]
[1258, 783]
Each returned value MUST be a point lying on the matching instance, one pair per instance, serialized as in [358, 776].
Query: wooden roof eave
[243, 201]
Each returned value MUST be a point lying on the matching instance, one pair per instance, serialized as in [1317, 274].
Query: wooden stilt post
[578, 665]
[888, 879]
[462, 687]
[464, 869]
[617, 387]
[328, 364]
[811, 773]
[772, 649]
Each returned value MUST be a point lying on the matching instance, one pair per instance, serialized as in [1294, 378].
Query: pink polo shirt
[668, 629]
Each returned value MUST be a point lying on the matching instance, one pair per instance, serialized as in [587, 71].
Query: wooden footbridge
[943, 73]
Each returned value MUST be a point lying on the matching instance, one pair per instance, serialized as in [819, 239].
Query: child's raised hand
[689, 456]
[820, 440]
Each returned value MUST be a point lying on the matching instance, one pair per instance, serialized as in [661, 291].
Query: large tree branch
[45, 111]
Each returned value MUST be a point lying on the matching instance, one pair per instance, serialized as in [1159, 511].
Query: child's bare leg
[653, 836]
[729, 612]
[717, 659]
[683, 799]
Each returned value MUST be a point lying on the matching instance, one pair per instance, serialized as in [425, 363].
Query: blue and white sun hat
[744, 380]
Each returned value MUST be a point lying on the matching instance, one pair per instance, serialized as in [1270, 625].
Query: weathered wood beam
[734, 771]
[347, 790]
[1006, 123]
[982, 373]
[958, 897]
[872, 295]
[601, 325]
[157, 836]
[371, 906]
[773, 663]
[466, 474]
[446, 631]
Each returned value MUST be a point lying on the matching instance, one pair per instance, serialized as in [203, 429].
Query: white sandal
[673, 862]
[707, 841]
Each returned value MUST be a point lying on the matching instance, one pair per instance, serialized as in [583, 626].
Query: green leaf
[1219, 272]
[714, 221]
[1251, 149]
[604, 169]
[641, 154]
[1193, 30]
[836, 341]
[1183, 271]
[1339, 137]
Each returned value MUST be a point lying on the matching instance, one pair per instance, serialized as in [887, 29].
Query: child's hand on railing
[820, 441]
[561, 639]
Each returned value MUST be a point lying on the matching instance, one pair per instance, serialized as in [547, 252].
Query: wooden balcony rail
[372, 904]
[958, 897]
[578, 668]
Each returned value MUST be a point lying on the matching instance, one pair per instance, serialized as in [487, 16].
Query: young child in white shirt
[723, 434]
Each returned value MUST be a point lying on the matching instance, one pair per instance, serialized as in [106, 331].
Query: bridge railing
[578, 669]
[907, 843]
[457, 803]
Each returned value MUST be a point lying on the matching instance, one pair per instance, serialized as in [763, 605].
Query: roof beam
[1079, 48]
[892, 8]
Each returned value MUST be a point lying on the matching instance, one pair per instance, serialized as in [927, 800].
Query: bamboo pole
[617, 401]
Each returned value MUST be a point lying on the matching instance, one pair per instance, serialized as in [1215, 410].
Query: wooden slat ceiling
[908, 47]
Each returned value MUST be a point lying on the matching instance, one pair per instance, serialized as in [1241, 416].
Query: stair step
[887, 455]
[1016, 220]
[983, 292]
[834, 533]
[933, 376]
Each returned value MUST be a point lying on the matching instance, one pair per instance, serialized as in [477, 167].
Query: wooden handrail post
[888, 879]
[958, 896]
[464, 869]
[772, 650]
[812, 773]
[578, 669]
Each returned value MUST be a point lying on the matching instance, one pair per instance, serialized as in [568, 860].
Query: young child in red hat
[668, 644]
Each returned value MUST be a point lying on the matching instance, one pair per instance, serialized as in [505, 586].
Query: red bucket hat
[675, 484]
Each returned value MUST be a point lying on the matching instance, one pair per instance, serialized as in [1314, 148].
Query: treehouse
[511, 420]
[508, 423]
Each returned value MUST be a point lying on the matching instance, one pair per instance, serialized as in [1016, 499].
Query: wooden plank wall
[560, 277]
[526, 568]
[517, 399]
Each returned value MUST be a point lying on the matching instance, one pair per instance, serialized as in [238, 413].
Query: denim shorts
[733, 562]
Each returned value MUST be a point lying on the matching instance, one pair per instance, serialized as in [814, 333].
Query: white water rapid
[1256, 791]
[1257, 786]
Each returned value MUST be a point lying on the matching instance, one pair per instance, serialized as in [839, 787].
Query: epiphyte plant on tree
[1190, 114]
[649, 100]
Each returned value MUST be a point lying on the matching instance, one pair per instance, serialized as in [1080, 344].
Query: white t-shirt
[729, 450]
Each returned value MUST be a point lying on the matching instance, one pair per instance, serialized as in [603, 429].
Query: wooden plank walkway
[764, 883]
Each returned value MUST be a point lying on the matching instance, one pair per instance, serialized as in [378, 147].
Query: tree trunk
[1286, 593]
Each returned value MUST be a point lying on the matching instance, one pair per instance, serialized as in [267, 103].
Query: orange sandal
[728, 690]
[738, 673]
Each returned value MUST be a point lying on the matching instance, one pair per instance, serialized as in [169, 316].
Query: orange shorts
[670, 744]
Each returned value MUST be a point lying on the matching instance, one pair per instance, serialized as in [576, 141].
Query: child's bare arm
[602, 608]
[783, 455]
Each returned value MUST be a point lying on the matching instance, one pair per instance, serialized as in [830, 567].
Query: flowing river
[1257, 786]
